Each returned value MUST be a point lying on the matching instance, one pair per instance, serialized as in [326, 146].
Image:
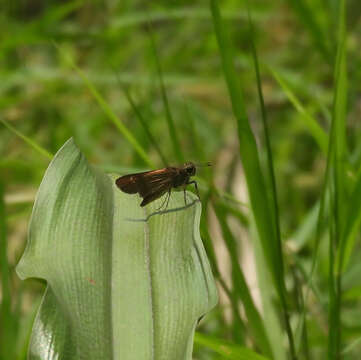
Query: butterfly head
[190, 168]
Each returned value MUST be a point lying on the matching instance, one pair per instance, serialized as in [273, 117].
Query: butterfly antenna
[208, 163]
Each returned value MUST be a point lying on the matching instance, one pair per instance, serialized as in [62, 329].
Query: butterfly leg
[165, 201]
[185, 195]
[166, 205]
[195, 186]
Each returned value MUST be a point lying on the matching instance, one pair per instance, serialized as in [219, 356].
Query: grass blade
[208, 245]
[270, 312]
[251, 164]
[139, 18]
[240, 286]
[353, 219]
[227, 350]
[198, 147]
[145, 127]
[7, 323]
[306, 15]
[333, 193]
[265, 126]
[178, 153]
[29, 141]
[270, 168]
[339, 189]
[107, 110]
[314, 128]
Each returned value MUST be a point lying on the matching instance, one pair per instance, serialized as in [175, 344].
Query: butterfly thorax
[180, 178]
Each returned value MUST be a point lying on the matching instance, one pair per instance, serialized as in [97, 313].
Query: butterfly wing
[128, 184]
[150, 184]
[153, 196]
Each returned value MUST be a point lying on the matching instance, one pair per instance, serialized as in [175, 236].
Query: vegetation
[268, 94]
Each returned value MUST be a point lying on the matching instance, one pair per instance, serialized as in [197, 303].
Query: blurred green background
[120, 47]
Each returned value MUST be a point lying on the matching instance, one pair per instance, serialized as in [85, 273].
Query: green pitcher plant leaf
[123, 282]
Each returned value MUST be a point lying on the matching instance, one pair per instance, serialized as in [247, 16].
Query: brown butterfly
[151, 185]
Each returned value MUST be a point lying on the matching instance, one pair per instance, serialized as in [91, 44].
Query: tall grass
[264, 214]
[284, 130]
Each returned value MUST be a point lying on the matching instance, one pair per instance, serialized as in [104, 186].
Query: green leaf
[124, 282]
[230, 351]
